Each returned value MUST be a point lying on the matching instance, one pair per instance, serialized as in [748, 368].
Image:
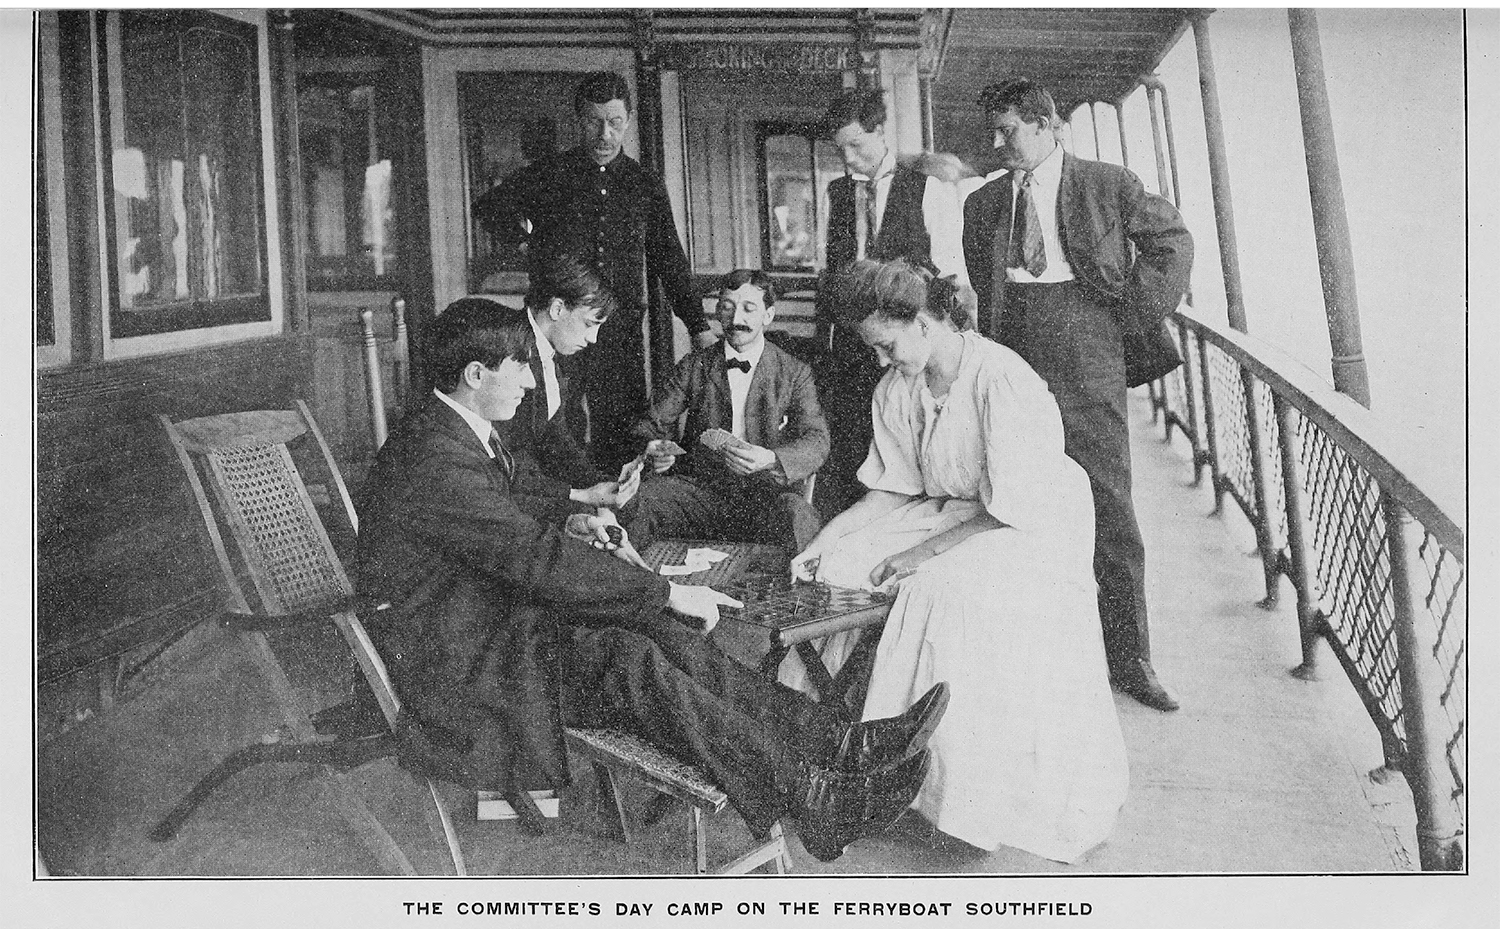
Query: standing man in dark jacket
[883, 210]
[596, 201]
[1076, 266]
[499, 628]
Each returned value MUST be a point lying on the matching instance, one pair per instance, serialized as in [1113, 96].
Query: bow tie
[737, 365]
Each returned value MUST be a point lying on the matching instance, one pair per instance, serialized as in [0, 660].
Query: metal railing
[1377, 561]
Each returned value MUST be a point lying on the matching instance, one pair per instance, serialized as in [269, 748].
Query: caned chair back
[245, 460]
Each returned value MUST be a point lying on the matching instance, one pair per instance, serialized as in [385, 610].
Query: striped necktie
[502, 457]
[1026, 246]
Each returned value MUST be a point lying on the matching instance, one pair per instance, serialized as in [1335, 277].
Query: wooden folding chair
[259, 495]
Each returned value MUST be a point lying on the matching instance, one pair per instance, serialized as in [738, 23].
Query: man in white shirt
[882, 209]
[742, 488]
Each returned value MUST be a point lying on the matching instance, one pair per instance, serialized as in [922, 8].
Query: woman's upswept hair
[477, 329]
[897, 290]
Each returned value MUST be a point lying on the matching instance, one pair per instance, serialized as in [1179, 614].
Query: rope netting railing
[1376, 561]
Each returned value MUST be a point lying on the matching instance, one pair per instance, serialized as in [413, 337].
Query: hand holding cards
[717, 439]
[663, 454]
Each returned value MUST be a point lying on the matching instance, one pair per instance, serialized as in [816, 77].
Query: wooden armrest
[264, 622]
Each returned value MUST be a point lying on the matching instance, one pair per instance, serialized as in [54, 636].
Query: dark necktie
[737, 365]
[1026, 249]
[872, 218]
[502, 457]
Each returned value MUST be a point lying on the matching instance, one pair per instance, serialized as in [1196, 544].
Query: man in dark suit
[567, 305]
[597, 202]
[744, 490]
[881, 209]
[1076, 266]
[498, 628]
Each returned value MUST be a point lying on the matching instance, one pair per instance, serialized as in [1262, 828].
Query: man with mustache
[742, 490]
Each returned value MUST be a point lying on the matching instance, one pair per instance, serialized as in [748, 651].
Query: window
[343, 134]
[508, 120]
[186, 166]
[796, 166]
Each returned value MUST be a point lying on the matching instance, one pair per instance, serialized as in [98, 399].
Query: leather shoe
[882, 742]
[1140, 684]
[842, 806]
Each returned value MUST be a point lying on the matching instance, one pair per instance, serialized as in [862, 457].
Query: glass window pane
[791, 223]
[187, 166]
[350, 208]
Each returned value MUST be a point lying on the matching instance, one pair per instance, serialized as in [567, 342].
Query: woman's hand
[699, 602]
[805, 565]
[898, 565]
[658, 452]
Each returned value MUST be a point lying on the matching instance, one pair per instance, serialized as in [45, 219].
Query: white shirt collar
[481, 426]
[543, 347]
[886, 168]
[1048, 174]
[752, 356]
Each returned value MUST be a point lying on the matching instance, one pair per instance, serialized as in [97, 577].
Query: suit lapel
[1067, 199]
[1000, 254]
[765, 374]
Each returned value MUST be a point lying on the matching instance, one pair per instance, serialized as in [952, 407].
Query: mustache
[739, 328]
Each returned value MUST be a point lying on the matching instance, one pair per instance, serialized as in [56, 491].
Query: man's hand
[898, 565]
[704, 339]
[747, 459]
[608, 493]
[701, 603]
[657, 452]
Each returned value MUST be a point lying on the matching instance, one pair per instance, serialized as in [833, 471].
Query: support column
[1218, 172]
[292, 200]
[1120, 124]
[1153, 87]
[659, 341]
[924, 100]
[1330, 218]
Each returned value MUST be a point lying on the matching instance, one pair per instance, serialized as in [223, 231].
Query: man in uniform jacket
[763, 396]
[499, 628]
[880, 209]
[1076, 267]
[597, 202]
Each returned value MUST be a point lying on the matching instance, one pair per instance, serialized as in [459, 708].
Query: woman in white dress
[984, 531]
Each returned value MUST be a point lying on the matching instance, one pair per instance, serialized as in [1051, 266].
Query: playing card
[715, 439]
[668, 447]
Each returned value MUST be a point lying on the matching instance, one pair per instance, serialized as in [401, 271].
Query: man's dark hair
[738, 278]
[1030, 99]
[569, 278]
[477, 329]
[602, 87]
[866, 107]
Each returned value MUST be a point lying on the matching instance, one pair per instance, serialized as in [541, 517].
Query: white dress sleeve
[1023, 440]
[892, 462]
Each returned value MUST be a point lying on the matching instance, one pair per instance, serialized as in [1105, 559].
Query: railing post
[1439, 838]
[1120, 125]
[1298, 539]
[1211, 437]
[1258, 478]
[1189, 391]
[1153, 85]
[373, 388]
[1218, 172]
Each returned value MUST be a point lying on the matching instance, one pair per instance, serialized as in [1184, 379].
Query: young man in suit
[567, 305]
[744, 490]
[881, 209]
[499, 628]
[1076, 266]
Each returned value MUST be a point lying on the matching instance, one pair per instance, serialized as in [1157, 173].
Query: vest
[903, 229]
